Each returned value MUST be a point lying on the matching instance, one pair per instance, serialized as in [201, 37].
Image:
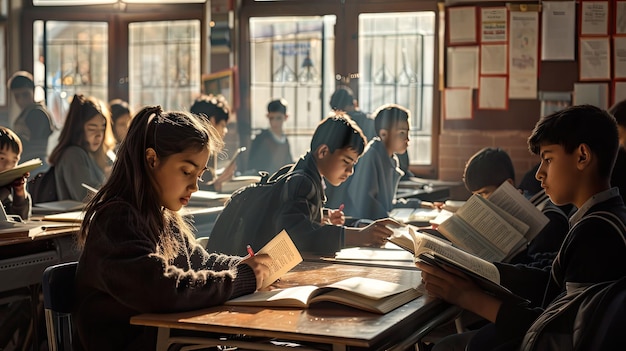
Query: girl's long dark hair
[131, 180]
[82, 109]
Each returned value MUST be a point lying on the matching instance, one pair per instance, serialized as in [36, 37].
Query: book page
[284, 256]
[509, 199]
[464, 236]
[297, 296]
[367, 287]
[477, 213]
[374, 254]
[8, 176]
[426, 244]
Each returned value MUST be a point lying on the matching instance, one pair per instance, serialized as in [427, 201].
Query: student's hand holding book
[455, 287]
[19, 185]
[260, 266]
[375, 234]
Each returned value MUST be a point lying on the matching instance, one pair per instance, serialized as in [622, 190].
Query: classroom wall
[456, 147]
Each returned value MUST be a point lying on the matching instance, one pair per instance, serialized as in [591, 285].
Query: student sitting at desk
[215, 109]
[336, 146]
[81, 154]
[485, 171]
[14, 196]
[370, 192]
[139, 255]
[577, 147]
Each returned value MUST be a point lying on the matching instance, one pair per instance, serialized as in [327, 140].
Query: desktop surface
[330, 324]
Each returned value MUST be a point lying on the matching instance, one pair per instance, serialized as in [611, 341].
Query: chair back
[58, 297]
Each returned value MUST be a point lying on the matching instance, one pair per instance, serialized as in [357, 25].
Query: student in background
[370, 192]
[577, 146]
[120, 120]
[139, 255]
[485, 171]
[618, 177]
[81, 155]
[336, 146]
[270, 149]
[343, 100]
[34, 123]
[215, 109]
[14, 197]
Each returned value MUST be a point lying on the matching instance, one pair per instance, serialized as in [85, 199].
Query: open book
[436, 251]
[284, 255]
[8, 176]
[495, 229]
[367, 294]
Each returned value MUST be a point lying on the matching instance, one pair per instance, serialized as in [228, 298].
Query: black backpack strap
[615, 221]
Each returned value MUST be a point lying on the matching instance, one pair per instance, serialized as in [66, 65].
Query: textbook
[284, 255]
[495, 229]
[366, 294]
[436, 251]
[58, 206]
[8, 176]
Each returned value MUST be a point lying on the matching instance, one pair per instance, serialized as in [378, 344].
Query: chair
[58, 298]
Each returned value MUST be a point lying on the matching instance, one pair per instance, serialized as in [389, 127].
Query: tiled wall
[456, 147]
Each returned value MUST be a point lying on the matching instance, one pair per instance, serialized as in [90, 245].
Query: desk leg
[339, 347]
[163, 336]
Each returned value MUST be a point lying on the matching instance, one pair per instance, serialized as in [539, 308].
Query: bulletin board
[514, 67]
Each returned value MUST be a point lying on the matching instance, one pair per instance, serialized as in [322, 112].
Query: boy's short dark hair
[8, 139]
[278, 105]
[341, 98]
[118, 108]
[338, 131]
[21, 79]
[387, 116]
[582, 124]
[211, 105]
[619, 112]
[488, 167]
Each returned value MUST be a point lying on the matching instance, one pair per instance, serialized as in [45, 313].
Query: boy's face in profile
[337, 166]
[276, 121]
[559, 173]
[219, 126]
[397, 138]
[23, 96]
[8, 159]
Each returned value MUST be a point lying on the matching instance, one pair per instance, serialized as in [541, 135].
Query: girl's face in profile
[94, 132]
[177, 175]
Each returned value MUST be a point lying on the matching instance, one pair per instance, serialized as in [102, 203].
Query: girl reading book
[139, 255]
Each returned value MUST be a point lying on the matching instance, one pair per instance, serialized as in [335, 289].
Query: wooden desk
[339, 327]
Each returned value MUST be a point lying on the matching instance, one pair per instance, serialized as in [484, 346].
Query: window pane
[164, 64]
[72, 60]
[292, 58]
[396, 65]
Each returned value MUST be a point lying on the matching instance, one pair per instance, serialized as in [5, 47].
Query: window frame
[346, 43]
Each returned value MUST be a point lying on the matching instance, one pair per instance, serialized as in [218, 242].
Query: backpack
[585, 318]
[249, 216]
[43, 187]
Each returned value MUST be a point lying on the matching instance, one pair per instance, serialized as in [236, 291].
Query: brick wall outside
[456, 147]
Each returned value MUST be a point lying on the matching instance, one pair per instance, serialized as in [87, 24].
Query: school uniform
[269, 152]
[593, 251]
[371, 190]
[73, 168]
[120, 275]
[300, 211]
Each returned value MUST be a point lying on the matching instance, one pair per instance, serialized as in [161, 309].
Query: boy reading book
[487, 170]
[577, 147]
[14, 196]
[335, 148]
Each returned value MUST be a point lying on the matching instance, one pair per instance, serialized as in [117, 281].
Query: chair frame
[58, 294]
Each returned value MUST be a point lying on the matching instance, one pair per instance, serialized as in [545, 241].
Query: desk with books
[331, 326]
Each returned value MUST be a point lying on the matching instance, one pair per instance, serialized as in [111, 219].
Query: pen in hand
[250, 251]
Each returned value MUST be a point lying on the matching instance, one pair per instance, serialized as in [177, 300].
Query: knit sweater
[120, 275]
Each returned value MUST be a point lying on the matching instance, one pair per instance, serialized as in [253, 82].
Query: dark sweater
[120, 275]
[593, 251]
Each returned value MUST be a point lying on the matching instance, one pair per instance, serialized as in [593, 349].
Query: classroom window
[396, 65]
[164, 63]
[292, 58]
[75, 62]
